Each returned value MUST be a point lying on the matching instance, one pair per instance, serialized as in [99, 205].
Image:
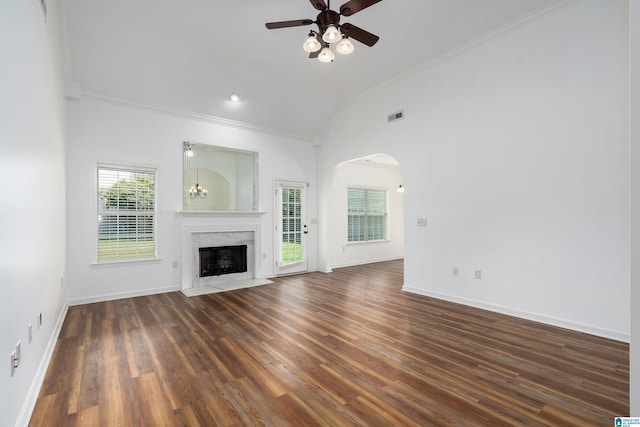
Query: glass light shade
[331, 35]
[344, 47]
[311, 44]
[326, 55]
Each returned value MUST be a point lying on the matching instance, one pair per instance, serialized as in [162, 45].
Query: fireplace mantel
[213, 220]
[194, 223]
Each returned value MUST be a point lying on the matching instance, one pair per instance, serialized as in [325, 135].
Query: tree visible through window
[126, 214]
[367, 215]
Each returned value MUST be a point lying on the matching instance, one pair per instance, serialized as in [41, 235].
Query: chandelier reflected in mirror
[197, 190]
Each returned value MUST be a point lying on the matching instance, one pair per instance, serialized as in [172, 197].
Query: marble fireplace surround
[218, 228]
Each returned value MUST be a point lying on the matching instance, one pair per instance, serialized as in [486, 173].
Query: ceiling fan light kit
[311, 44]
[326, 55]
[330, 33]
[344, 46]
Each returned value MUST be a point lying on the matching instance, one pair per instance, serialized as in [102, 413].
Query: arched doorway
[357, 190]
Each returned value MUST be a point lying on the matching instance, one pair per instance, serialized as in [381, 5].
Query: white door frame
[298, 266]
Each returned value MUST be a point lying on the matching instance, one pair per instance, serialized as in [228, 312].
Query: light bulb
[331, 34]
[344, 47]
[311, 44]
[234, 97]
[189, 152]
[326, 55]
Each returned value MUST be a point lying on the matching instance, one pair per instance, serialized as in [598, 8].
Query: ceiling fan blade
[355, 6]
[359, 34]
[285, 24]
[319, 4]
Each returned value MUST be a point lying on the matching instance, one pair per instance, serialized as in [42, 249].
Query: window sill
[366, 242]
[123, 262]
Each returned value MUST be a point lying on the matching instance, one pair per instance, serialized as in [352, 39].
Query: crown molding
[190, 115]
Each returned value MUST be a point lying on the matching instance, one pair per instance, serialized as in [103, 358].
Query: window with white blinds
[126, 213]
[367, 215]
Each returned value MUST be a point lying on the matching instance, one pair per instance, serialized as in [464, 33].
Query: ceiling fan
[330, 31]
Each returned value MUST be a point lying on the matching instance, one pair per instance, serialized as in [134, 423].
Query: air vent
[395, 116]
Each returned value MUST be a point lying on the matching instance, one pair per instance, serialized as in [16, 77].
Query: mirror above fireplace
[219, 179]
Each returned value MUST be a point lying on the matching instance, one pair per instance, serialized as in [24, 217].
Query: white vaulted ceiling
[188, 55]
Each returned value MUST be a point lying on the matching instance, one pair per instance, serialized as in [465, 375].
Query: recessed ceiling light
[234, 97]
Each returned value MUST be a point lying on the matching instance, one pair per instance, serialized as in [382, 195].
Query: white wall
[32, 213]
[634, 72]
[377, 176]
[106, 132]
[133, 62]
[516, 151]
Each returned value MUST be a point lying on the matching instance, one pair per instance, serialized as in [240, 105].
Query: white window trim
[364, 242]
[137, 167]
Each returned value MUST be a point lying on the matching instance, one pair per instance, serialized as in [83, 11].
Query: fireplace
[215, 261]
[206, 229]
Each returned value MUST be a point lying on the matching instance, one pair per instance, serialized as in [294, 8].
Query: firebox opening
[220, 260]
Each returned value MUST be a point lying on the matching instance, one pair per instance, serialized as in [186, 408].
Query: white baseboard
[121, 295]
[32, 397]
[549, 320]
[370, 261]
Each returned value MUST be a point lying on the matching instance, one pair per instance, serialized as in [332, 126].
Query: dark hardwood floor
[346, 348]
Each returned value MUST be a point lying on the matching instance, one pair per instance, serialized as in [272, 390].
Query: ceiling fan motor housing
[327, 18]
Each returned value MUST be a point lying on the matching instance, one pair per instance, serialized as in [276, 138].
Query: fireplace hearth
[219, 260]
[206, 229]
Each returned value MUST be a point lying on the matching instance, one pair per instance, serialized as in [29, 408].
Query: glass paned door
[291, 227]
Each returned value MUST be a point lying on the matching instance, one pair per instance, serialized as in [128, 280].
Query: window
[291, 224]
[126, 213]
[367, 215]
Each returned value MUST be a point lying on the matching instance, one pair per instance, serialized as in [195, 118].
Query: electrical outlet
[18, 353]
[30, 329]
[421, 222]
[175, 264]
[13, 363]
[456, 272]
[478, 274]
